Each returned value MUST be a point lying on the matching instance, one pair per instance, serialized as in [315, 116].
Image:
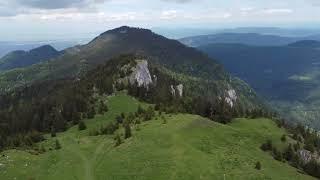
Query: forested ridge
[55, 105]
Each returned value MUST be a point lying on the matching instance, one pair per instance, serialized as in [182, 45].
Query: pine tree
[53, 132]
[127, 131]
[289, 153]
[102, 107]
[277, 155]
[91, 113]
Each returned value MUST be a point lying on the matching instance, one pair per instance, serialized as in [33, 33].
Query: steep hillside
[53, 105]
[288, 76]
[169, 146]
[19, 59]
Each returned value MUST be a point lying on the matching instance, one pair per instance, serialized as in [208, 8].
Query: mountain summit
[196, 70]
[112, 43]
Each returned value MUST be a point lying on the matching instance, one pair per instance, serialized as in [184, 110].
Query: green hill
[185, 147]
[20, 59]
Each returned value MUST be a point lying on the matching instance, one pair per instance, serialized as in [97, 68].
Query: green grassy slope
[186, 147]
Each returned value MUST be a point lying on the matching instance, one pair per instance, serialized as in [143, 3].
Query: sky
[68, 19]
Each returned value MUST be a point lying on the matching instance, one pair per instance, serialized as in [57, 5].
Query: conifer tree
[127, 131]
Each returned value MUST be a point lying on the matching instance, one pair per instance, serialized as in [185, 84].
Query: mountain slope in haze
[306, 44]
[238, 38]
[286, 75]
[286, 32]
[19, 59]
[123, 40]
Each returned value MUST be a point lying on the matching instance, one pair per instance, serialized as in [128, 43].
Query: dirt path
[86, 163]
[89, 162]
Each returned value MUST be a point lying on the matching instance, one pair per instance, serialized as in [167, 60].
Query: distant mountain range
[9, 46]
[287, 75]
[252, 39]
[286, 32]
[306, 44]
[178, 33]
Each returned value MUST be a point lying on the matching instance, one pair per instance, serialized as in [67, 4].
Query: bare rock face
[307, 156]
[180, 89]
[176, 90]
[141, 74]
[172, 90]
[231, 97]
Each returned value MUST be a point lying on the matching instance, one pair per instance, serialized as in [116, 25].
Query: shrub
[164, 120]
[57, 145]
[82, 126]
[283, 138]
[258, 165]
[110, 128]
[42, 149]
[277, 155]
[118, 140]
[140, 110]
[267, 146]
[119, 119]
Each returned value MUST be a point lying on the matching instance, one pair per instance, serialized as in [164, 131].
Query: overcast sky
[50, 19]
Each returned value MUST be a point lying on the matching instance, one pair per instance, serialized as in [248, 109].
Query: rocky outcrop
[176, 90]
[141, 74]
[179, 88]
[306, 156]
[172, 90]
[231, 97]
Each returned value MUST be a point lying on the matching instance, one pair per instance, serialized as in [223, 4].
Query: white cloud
[169, 14]
[277, 11]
